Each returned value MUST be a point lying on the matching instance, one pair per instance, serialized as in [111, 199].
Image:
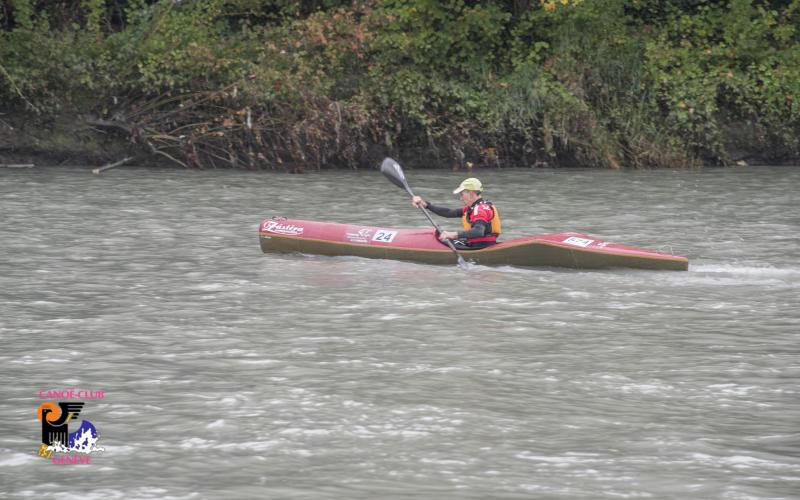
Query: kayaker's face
[468, 197]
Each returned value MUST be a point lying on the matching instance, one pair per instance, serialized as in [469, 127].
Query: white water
[232, 373]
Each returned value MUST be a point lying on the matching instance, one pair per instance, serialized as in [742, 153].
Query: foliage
[287, 84]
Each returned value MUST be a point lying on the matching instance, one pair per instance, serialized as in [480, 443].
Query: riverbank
[61, 140]
[73, 140]
[340, 84]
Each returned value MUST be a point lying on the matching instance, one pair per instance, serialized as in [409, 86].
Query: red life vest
[484, 211]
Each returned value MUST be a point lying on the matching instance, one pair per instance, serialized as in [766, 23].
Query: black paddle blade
[394, 172]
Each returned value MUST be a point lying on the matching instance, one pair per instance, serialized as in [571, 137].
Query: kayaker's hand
[448, 235]
[418, 202]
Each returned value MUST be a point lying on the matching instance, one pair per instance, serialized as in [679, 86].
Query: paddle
[394, 172]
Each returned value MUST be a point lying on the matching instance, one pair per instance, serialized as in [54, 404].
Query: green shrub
[605, 83]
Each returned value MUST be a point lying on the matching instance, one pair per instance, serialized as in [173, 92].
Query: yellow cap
[471, 184]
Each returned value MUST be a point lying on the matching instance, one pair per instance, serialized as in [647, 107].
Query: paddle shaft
[394, 172]
[435, 224]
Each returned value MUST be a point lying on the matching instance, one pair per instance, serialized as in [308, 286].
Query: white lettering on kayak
[359, 237]
[384, 236]
[578, 242]
[276, 227]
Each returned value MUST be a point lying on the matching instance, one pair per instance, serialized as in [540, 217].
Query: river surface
[228, 373]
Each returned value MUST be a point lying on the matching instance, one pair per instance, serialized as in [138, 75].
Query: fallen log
[123, 161]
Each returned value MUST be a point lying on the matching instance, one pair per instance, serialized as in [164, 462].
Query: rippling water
[228, 372]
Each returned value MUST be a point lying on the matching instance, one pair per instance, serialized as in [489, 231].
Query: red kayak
[572, 250]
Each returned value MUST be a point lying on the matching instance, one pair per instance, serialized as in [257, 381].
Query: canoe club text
[71, 393]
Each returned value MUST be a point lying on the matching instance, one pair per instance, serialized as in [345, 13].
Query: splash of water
[85, 441]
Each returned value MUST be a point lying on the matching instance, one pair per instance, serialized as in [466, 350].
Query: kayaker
[479, 217]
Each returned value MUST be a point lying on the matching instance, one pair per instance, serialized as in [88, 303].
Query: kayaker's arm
[479, 230]
[440, 211]
[446, 212]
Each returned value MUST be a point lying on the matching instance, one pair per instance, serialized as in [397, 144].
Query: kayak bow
[572, 250]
